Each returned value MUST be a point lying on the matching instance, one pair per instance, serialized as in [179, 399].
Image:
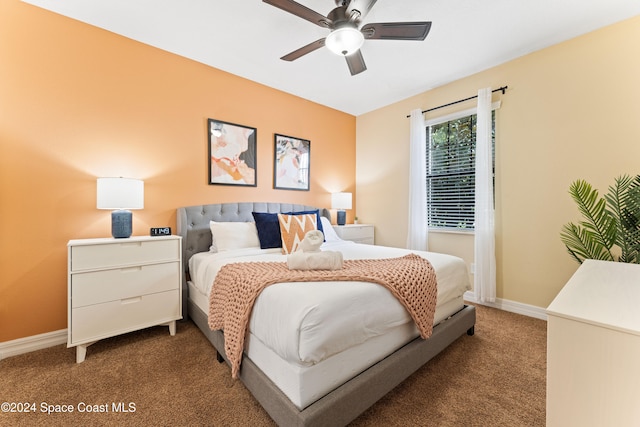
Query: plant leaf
[598, 220]
[616, 205]
[610, 221]
[581, 244]
[630, 219]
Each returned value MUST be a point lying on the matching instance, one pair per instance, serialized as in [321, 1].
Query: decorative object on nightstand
[341, 201]
[359, 233]
[119, 286]
[160, 231]
[120, 195]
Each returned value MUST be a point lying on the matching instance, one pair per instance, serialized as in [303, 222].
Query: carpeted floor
[494, 378]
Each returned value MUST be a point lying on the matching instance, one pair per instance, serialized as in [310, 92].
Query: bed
[334, 388]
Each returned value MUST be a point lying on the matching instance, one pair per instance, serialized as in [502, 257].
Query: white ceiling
[247, 38]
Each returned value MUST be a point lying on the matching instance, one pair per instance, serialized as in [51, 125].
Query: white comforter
[305, 323]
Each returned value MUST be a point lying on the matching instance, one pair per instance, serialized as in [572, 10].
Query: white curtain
[417, 235]
[485, 259]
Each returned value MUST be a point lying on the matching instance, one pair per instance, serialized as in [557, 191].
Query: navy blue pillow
[268, 230]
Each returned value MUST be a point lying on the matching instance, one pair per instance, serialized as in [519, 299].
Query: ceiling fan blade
[356, 63]
[304, 50]
[396, 31]
[301, 11]
[362, 6]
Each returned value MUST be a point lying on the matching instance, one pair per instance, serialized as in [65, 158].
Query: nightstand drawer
[99, 321]
[117, 254]
[96, 287]
[357, 232]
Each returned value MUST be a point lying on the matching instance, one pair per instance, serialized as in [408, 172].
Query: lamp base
[342, 218]
[121, 224]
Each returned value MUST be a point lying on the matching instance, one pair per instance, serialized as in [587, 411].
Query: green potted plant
[610, 229]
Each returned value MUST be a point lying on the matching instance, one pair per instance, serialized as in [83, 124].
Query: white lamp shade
[341, 200]
[120, 193]
[344, 41]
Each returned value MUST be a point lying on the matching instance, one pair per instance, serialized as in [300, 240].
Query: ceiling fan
[346, 37]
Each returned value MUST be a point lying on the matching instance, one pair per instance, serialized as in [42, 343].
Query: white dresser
[359, 233]
[121, 285]
[593, 348]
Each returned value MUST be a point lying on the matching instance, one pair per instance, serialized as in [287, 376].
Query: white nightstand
[359, 233]
[121, 285]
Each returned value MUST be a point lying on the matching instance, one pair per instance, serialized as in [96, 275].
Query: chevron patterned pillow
[293, 229]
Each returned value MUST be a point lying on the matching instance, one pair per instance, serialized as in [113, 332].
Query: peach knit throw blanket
[411, 279]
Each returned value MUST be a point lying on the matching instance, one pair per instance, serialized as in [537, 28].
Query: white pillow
[329, 233]
[227, 236]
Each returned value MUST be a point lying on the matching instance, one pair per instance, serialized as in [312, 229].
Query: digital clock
[160, 231]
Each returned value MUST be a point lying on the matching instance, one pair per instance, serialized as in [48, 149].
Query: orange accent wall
[78, 102]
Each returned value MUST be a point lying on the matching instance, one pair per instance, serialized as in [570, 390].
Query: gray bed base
[345, 403]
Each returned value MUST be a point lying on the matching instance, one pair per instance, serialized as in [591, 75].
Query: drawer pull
[131, 269]
[131, 245]
[131, 300]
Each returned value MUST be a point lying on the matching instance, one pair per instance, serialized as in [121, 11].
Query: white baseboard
[512, 306]
[32, 343]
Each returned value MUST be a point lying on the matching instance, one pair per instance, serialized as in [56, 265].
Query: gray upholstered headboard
[193, 226]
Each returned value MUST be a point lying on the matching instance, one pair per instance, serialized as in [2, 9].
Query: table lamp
[341, 201]
[120, 195]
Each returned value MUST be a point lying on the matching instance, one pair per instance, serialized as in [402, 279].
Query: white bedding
[305, 323]
[303, 341]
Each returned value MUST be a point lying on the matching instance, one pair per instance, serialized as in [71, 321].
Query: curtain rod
[500, 89]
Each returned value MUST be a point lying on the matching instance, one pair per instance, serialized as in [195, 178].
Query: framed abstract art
[291, 163]
[232, 154]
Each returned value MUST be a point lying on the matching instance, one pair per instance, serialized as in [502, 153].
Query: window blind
[451, 173]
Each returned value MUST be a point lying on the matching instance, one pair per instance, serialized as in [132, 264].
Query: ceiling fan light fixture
[344, 41]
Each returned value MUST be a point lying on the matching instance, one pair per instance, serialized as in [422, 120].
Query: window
[451, 172]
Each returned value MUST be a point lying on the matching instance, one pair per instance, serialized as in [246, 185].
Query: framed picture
[232, 154]
[291, 163]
